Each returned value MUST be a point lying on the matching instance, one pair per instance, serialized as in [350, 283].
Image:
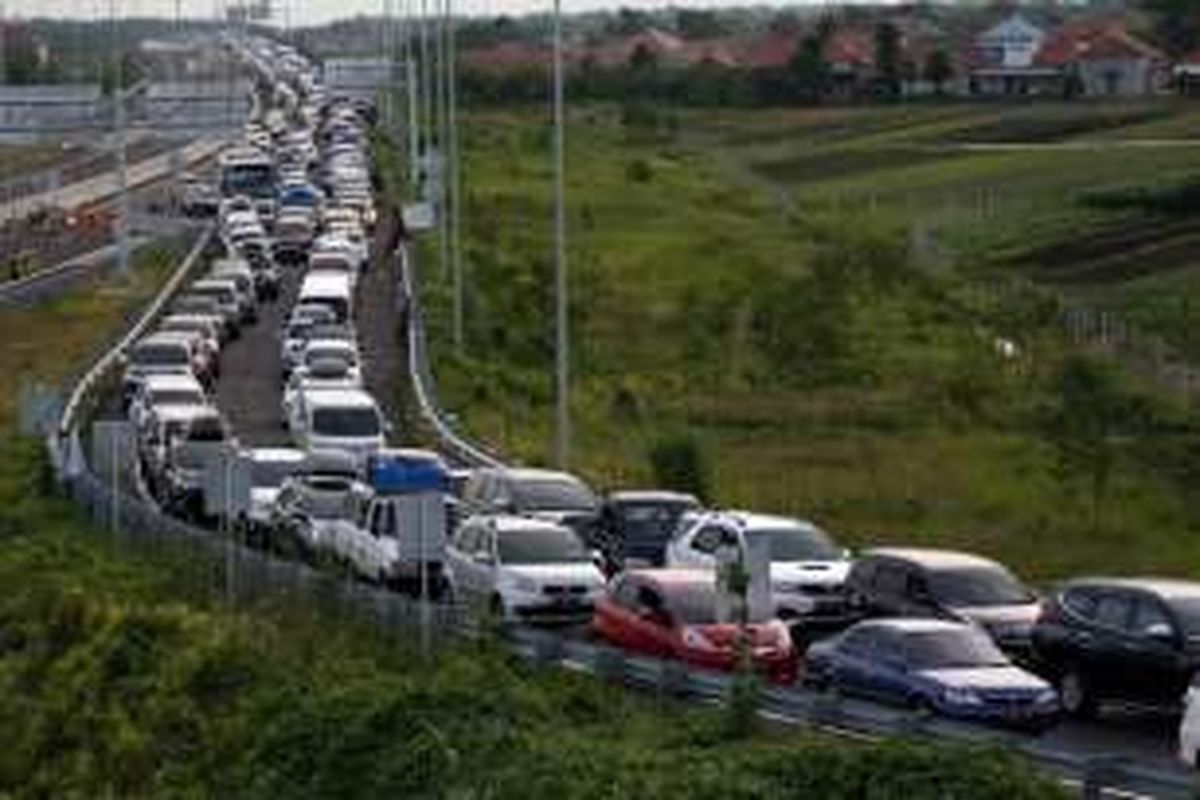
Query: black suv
[1121, 639]
[944, 584]
[634, 527]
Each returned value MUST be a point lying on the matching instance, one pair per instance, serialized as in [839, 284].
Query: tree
[938, 70]
[808, 71]
[1178, 24]
[694, 24]
[21, 62]
[1089, 412]
[887, 59]
[629, 21]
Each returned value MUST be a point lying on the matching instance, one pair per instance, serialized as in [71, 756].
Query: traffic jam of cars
[653, 572]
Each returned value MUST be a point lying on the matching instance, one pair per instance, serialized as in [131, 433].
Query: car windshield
[696, 604]
[152, 354]
[269, 473]
[1187, 611]
[554, 494]
[541, 546]
[952, 650]
[801, 543]
[177, 397]
[328, 499]
[651, 519]
[346, 422]
[206, 429]
[315, 354]
[978, 586]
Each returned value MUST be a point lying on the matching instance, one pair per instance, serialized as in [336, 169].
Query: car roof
[915, 625]
[171, 381]
[651, 496]
[277, 454]
[172, 338]
[511, 523]
[754, 521]
[932, 558]
[1167, 588]
[339, 397]
[534, 474]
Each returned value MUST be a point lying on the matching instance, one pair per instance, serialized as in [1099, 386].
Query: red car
[672, 613]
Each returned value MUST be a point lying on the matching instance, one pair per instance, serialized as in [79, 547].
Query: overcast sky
[308, 11]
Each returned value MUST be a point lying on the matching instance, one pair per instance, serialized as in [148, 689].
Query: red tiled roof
[772, 50]
[1088, 40]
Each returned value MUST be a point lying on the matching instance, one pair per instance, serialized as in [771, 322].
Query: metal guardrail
[453, 444]
[69, 420]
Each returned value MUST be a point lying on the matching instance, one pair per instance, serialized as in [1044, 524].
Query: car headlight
[961, 697]
[522, 583]
[1045, 697]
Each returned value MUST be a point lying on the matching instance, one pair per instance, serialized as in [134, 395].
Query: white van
[328, 289]
[338, 419]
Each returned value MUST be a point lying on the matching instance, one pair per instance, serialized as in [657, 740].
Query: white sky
[310, 11]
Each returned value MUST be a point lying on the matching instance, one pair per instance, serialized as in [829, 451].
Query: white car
[807, 570]
[347, 420]
[316, 350]
[158, 391]
[523, 569]
[269, 468]
[328, 374]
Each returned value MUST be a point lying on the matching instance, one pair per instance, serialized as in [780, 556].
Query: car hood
[1007, 678]
[572, 519]
[815, 573]
[551, 574]
[1014, 620]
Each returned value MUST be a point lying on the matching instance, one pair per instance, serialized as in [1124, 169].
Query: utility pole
[443, 220]
[562, 427]
[452, 175]
[410, 80]
[119, 123]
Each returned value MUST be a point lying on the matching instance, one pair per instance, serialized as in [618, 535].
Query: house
[1093, 57]
[1003, 61]
[1101, 58]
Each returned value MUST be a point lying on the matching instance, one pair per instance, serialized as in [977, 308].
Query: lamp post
[562, 449]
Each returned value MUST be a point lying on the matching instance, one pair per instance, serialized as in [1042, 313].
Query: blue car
[950, 668]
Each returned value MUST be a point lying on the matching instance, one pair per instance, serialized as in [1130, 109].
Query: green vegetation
[850, 313]
[120, 676]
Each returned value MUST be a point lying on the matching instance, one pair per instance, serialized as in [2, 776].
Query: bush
[679, 462]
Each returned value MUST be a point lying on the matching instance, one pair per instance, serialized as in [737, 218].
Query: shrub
[678, 462]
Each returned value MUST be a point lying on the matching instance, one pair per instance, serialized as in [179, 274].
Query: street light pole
[452, 176]
[119, 123]
[561, 339]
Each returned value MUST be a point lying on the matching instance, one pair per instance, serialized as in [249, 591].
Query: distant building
[1091, 57]
[1004, 61]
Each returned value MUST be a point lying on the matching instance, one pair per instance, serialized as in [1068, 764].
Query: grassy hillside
[808, 349]
[117, 681]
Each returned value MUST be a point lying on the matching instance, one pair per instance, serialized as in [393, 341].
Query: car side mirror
[1160, 632]
[597, 558]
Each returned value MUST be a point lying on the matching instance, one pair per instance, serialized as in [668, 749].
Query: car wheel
[1075, 695]
[496, 608]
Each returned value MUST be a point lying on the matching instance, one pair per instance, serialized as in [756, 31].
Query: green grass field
[122, 676]
[759, 282]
